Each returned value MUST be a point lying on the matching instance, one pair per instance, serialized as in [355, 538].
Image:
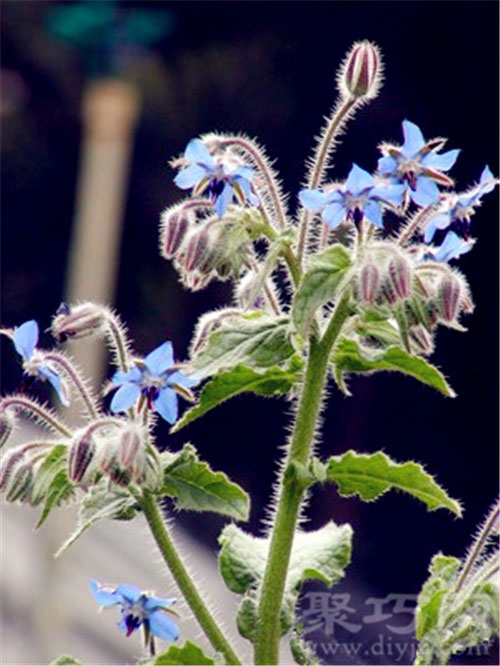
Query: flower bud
[81, 454]
[174, 227]
[7, 423]
[196, 249]
[132, 454]
[421, 340]
[20, 483]
[12, 460]
[78, 321]
[449, 293]
[369, 282]
[400, 276]
[360, 75]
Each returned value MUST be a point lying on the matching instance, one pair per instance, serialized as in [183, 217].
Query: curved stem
[182, 577]
[119, 341]
[273, 187]
[75, 377]
[320, 163]
[36, 410]
[414, 224]
[273, 585]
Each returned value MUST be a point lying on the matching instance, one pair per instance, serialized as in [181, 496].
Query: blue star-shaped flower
[157, 379]
[358, 197]
[138, 608]
[417, 164]
[25, 339]
[458, 209]
[222, 182]
[451, 248]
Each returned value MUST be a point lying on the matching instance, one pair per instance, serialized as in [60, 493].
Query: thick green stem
[273, 585]
[183, 579]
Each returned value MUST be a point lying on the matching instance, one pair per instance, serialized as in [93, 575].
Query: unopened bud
[174, 227]
[360, 75]
[20, 483]
[196, 249]
[369, 282]
[81, 454]
[197, 281]
[421, 340]
[7, 423]
[12, 460]
[400, 276]
[449, 293]
[388, 292]
[131, 454]
[78, 321]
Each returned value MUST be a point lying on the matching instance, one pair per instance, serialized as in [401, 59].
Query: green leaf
[322, 554]
[65, 660]
[101, 502]
[187, 655]
[196, 487]
[348, 357]
[443, 570]
[59, 490]
[54, 462]
[256, 340]
[241, 379]
[383, 332]
[319, 284]
[371, 475]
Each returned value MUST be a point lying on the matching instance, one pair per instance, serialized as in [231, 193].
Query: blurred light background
[169, 71]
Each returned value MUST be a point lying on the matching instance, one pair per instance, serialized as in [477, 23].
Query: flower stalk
[268, 632]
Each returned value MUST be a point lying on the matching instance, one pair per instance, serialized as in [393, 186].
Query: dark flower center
[132, 622]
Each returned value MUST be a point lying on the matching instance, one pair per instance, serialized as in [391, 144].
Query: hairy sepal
[189, 654]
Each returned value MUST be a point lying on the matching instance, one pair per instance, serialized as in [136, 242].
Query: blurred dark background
[268, 69]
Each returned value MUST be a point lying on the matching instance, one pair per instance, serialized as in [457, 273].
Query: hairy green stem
[273, 585]
[183, 579]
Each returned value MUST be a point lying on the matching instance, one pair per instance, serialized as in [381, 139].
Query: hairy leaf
[60, 489]
[371, 475]
[196, 487]
[189, 654]
[348, 358]
[65, 660]
[241, 379]
[255, 340]
[319, 284]
[54, 462]
[101, 502]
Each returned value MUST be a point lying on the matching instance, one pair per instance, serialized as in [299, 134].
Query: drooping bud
[132, 455]
[196, 249]
[400, 276]
[20, 483]
[421, 340]
[78, 321]
[449, 293]
[81, 454]
[369, 282]
[175, 224]
[13, 459]
[361, 72]
[387, 292]
[7, 424]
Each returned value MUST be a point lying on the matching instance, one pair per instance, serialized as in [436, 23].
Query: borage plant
[316, 297]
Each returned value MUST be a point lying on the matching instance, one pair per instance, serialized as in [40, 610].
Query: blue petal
[334, 214]
[181, 379]
[244, 172]
[452, 247]
[414, 139]
[487, 182]
[223, 200]
[162, 626]
[166, 405]
[358, 180]
[152, 602]
[373, 212]
[104, 597]
[197, 152]
[125, 397]
[426, 192]
[190, 176]
[129, 592]
[313, 200]
[25, 339]
[160, 359]
[440, 221]
[134, 376]
[390, 193]
[53, 377]
[387, 164]
[442, 162]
